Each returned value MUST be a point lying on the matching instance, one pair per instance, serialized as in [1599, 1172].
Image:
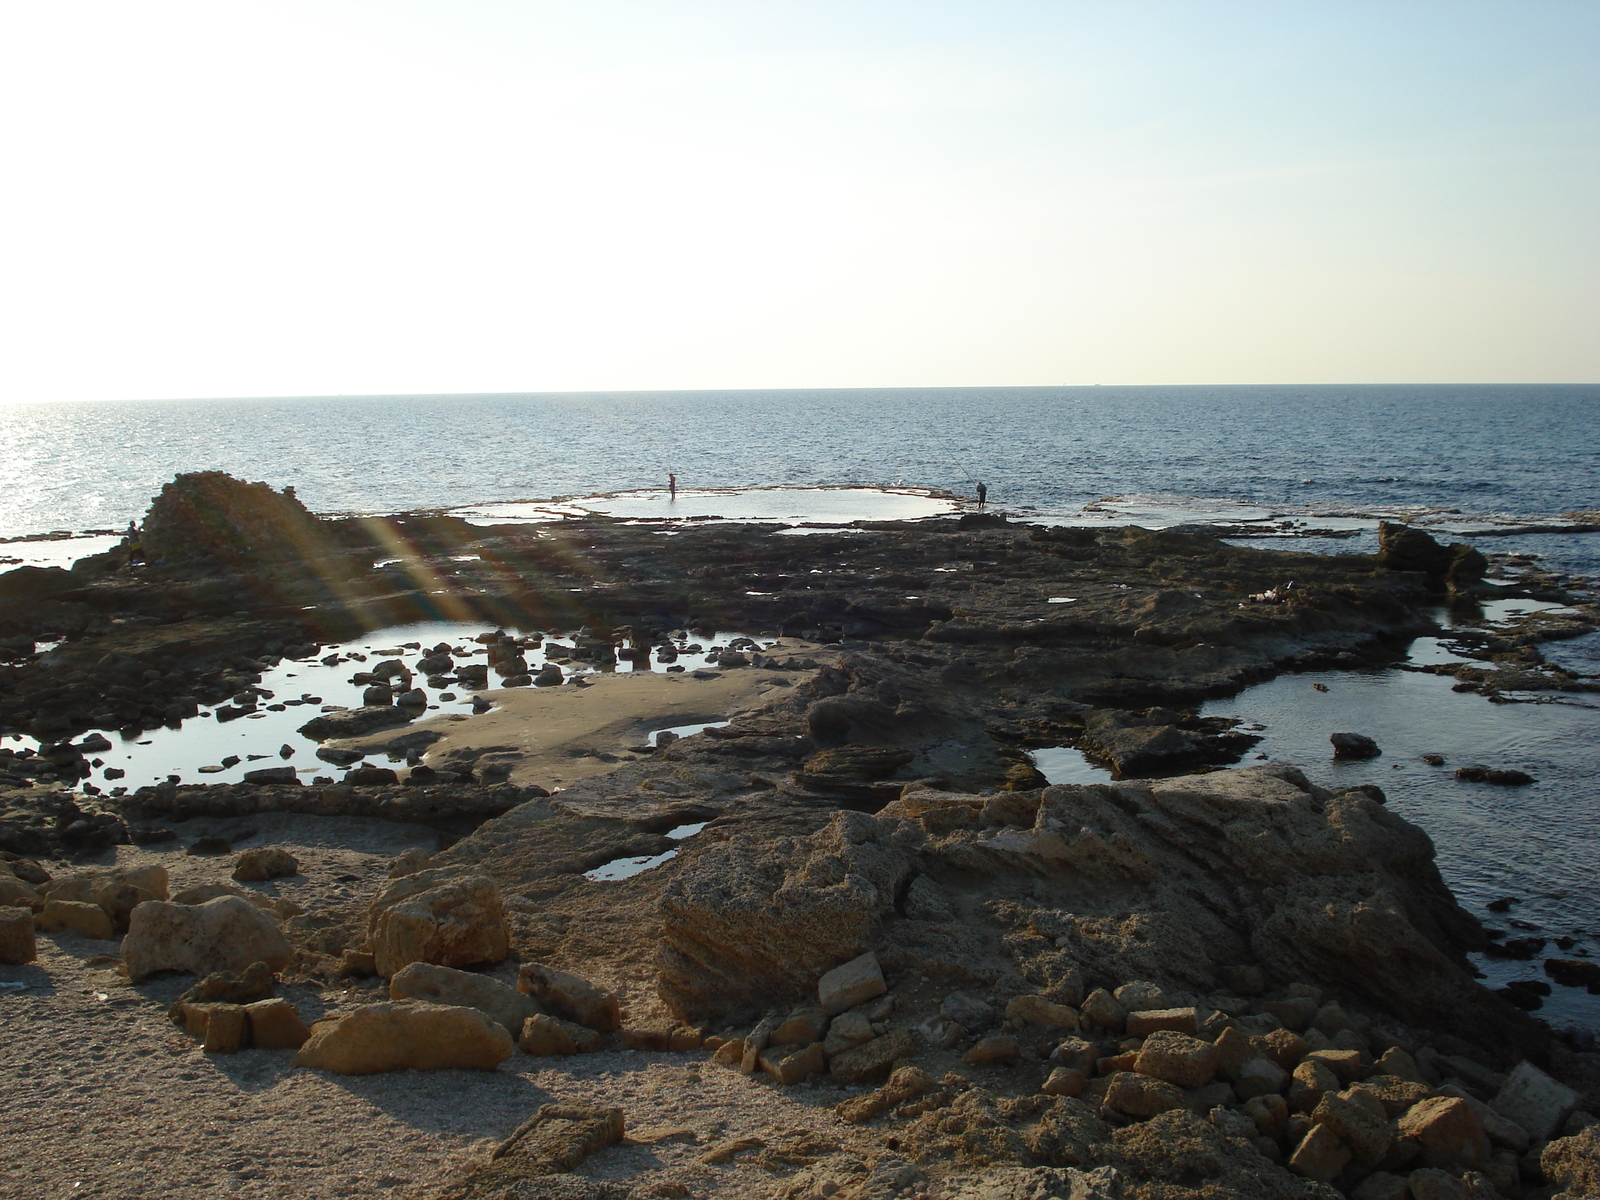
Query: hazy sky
[274, 198]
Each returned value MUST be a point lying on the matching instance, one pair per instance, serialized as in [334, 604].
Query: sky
[269, 198]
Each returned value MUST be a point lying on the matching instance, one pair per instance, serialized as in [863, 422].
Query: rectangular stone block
[17, 945]
[1533, 1100]
[850, 984]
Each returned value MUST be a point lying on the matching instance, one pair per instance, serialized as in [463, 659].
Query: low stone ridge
[225, 934]
[405, 1035]
[568, 996]
[258, 866]
[545, 1148]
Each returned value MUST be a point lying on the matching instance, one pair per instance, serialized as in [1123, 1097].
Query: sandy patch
[554, 737]
[105, 1098]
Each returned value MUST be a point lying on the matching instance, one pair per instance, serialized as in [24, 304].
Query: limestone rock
[75, 916]
[17, 945]
[904, 1084]
[446, 985]
[544, 1035]
[1320, 1155]
[276, 1025]
[1147, 1021]
[1574, 1163]
[117, 891]
[847, 1031]
[254, 983]
[1036, 1010]
[15, 893]
[850, 984]
[225, 934]
[1142, 1096]
[535, 1161]
[355, 722]
[1177, 1058]
[871, 1060]
[257, 866]
[1065, 1081]
[1360, 1121]
[227, 1028]
[568, 996]
[444, 915]
[406, 1034]
[801, 1028]
[790, 1064]
[747, 921]
[1534, 1101]
[1447, 1133]
[997, 1048]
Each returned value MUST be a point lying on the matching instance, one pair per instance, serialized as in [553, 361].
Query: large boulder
[448, 916]
[211, 516]
[225, 934]
[116, 891]
[446, 985]
[750, 921]
[409, 1034]
[1401, 548]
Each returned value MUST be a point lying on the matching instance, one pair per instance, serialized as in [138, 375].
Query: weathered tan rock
[1360, 1121]
[116, 891]
[446, 985]
[1311, 1081]
[1397, 1064]
[1573, 1163]
[1346, 1065]
[445, 915]
[1176, 1058]
[254, 983]
[1430, 1183]
[260, 865]
[1270, 1113]
[790, 1064]
[1143, 1096]
[1101, 1009]
[544, 1035]
[1396, 1095]
[75, 916]
[1001, 1047]
[1078, 1054]
[1150, 1020]
[1321, 1155]
[15, 893]
[227, 1028]
[406, 1034]
[1446, 1132]
[1065, 1081]
[551, 1143]
[17, 944]
[1499, 1130]
[749, 920]
[847, 1031]
[871, 1060]
[801, 1028]
[225, 934]
[1282, 1047]
[850, 984]
[1036, 1010]
[278, 906]
[570, 997]
[906, 1082]
[276, 1025]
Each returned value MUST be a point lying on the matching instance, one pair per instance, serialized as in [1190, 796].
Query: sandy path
[103, 1097]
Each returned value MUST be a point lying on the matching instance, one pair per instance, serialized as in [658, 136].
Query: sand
[554, 737]
[103, 1097]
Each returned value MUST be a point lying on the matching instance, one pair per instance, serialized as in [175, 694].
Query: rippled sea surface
[1328, 461]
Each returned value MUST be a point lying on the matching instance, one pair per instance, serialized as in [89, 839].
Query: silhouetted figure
[135, 545]
[672, 486]
[983, 494]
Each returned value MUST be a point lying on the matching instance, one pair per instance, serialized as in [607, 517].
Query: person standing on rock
[135, 544]
[983, 494]
[672, 486]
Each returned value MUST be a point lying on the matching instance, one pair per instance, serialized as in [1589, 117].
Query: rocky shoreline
[1195, 981]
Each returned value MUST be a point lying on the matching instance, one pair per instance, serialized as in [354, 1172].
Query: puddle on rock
[1063, 764]
[302, 689]
[1538, 842]
[627, 868]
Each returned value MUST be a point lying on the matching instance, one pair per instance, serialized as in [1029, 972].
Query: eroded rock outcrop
[407, 1034]
[446, 916]
[225, 934]
[1170, 880]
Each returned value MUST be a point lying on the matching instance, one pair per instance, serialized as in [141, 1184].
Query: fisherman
[983, 494]
[135, 544]
[672, 485]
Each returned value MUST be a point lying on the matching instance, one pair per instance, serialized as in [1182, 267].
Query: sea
[1512, 469]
